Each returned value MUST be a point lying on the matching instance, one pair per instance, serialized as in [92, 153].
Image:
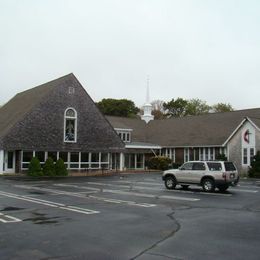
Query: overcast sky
[207, 49]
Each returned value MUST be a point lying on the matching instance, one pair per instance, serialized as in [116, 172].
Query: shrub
[254, 171]
[60, 168]
[221, 157]
[49, 167]
[159, 163]
[35, 168]
[175, 165]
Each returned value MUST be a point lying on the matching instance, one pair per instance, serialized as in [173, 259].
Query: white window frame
[248, 155]
[75, 118]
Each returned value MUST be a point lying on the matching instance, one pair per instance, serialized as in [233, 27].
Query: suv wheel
[170, 182]
[208, 185]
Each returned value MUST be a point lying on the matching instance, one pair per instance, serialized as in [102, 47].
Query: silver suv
[209, 175]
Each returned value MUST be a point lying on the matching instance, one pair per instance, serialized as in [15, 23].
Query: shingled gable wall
[42, 128]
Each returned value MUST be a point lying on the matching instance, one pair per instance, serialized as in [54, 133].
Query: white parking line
[132, 203]
[8, 219]
[145, 195]
[49, 203]
[142, 182]
[242, 190]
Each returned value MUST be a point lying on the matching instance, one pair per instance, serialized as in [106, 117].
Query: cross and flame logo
[246, 136]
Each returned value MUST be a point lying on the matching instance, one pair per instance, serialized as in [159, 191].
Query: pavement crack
[176, 229]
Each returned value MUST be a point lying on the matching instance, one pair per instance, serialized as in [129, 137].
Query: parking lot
[126, 217]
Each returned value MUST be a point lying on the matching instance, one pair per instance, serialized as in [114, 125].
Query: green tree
[49, 167]
[222, 107]
[196, 106]
[118, 107]
[60, 168]
[34, 168]
[176, 108]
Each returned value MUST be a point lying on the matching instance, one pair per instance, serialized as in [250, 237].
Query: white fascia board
[253, 124]
[124, 129]
[234, 132]
[1, 161]
[194, 146]
[142, 146]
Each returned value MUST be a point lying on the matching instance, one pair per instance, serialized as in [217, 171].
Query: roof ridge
[47, 83]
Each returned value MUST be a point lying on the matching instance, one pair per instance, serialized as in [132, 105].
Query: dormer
[124, 134]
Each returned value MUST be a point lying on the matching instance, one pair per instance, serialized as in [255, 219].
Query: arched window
[70, 125]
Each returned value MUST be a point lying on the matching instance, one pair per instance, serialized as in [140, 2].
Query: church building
[59, 119]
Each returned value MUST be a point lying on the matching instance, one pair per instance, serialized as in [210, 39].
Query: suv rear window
[229, 166]
[213, 166]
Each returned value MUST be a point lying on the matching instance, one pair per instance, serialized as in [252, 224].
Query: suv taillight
[224, 175]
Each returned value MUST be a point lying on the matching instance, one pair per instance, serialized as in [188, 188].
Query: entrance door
[9, 165]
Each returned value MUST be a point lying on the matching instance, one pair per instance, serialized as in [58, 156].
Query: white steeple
[147, 116]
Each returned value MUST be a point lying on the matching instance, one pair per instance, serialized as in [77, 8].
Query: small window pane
[10, 157]
[95, 157]
[94, 165]
[187, 166]
[104, 157]
[40, 156]
[84, 157]
[27, 156]
[74, 157]
[252, 154]
[214, 166]
[74, 166]
[229, 166]
[53, 155]
[70, 130]
[245, 156]
[199, 167]
[70, 113]
[84, 166]
[64, 156]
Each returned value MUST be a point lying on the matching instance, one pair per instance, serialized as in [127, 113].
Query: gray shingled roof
[34, 119]
[23, 102]
[203, 130]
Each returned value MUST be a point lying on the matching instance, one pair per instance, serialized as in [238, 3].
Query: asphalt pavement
[126, 217]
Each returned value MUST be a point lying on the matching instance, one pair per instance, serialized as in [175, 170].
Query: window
[125, 136]
[53, 155]
[71, 90]
[70, 125]
[229, 166]
[187, 166]
[245, 156]
[198, 166]
[186, 155]
[74, 160]
[252, 154]
[26, 158]
[94, 160]
[214, 166]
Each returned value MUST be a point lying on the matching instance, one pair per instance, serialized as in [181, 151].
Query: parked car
[208, 174]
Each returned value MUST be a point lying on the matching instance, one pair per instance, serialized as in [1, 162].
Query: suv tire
[208, 185]
[170, 182]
